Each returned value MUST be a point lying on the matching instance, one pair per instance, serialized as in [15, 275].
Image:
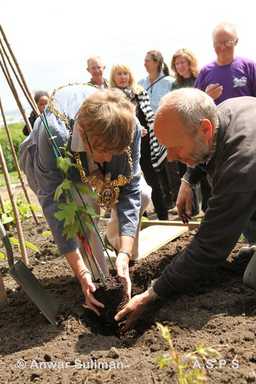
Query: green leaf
[90, 211]
[58, 193]
[46, 234]
[64, 163]
[165, 333]
[64, 186]
[71, 231]
[67, 185]
[84, 188]
[14, 241]
[67, 212]
[31, 246]
[2, 256]
[163, 361]
[6, 219]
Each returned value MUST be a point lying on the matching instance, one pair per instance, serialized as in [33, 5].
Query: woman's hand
[88, 288]
[122, 267]
[82, 273]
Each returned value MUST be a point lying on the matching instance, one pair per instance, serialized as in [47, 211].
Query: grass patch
[13, 176]
[17, 137]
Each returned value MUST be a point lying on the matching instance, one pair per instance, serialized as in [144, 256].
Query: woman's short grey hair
[192, 105]
[109, 117]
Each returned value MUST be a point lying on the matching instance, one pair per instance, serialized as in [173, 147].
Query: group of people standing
[226, 77]
[161, 176]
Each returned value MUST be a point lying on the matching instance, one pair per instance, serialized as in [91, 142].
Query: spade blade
[46, 303]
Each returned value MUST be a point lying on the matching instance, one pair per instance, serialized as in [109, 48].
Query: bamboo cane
[17, 164]
[18, 67]
[2, 204]
[14, 207]
[4, 53]
[3, 295]
[14, 92]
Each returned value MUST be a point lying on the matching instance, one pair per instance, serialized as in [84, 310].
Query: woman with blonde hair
[185, 68]
[153, 155]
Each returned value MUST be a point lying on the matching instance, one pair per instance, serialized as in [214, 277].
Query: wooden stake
[15, 74]
[18, 68]
[2, 204]
[191, 224]
[16, 163]
[12, 87]
[14, 207]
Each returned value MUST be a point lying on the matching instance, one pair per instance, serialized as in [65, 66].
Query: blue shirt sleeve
[128, 207]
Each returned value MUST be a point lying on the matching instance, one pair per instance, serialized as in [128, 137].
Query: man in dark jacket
[195, 131]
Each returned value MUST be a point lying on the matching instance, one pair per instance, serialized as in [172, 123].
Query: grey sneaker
[246, 252]
[249, 277]
[239, 264]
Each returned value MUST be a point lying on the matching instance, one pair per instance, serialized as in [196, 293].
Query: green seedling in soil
[15, 243]
[69, 211]
[187, 366]
[7, 216]
[46, 234]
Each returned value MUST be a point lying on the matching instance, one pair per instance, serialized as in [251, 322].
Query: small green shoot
[188, 367]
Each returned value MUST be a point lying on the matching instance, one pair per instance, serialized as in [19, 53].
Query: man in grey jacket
[195, 131]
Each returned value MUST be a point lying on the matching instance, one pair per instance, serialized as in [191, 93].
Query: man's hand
[88, 288]
[144, 132]
[135, 308]
[184, 202]
[122, 267]
[214, 90]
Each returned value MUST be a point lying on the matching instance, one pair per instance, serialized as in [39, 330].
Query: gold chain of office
[107, 190]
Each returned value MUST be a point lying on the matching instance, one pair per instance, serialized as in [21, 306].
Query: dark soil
[220, 312]
[113, 295]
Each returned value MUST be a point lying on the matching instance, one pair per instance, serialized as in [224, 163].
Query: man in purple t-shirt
[228, 76]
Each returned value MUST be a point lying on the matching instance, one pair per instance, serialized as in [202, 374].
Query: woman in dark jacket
[185, 68]
[41, 99]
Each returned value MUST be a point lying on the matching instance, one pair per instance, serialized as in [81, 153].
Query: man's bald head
[191, 105]
[184, 116]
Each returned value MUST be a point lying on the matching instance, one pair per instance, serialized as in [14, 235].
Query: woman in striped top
[153, 155]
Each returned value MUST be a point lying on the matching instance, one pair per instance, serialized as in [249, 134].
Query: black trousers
[156, 179]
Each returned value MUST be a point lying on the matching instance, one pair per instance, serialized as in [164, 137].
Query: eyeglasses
[226, 43]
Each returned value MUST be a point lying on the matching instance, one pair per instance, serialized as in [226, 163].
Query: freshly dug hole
[113, 295]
